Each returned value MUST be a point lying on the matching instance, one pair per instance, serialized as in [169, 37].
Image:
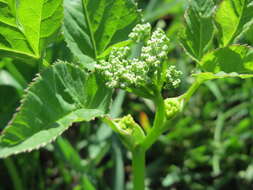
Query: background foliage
[207, 147]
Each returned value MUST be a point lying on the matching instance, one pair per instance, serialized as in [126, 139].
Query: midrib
[238, 24]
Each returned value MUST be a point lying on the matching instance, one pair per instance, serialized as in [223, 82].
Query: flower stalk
[145, 74]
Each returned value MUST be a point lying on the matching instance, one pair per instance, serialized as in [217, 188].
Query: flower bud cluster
[124, 72]
[173, 77]
[172, 107]
[140, 33]
[119, 71]
[155, 51]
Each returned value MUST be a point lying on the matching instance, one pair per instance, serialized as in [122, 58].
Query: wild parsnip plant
[111, 53]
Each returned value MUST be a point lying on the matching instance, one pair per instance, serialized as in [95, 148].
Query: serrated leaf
[90, 26]
[232, 59]
[199, 30]
[61, 95]
[233, 18]
[26, 26]
[205, 8]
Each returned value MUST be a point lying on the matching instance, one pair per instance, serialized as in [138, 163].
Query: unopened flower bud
[173, 106]
[129, 131]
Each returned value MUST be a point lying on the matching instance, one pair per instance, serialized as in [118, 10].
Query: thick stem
[138, 165]
[157, 128]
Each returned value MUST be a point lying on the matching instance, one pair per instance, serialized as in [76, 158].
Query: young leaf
[233, 18]
[199, 30]
[92, 25]
[61, 95]
[231, 59]
[26, 26]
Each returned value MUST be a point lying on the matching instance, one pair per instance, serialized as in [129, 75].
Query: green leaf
[249, 35]
[7, 80]
[67, 153]
[9, 99]
[233, 18]
[235, 58]
[86, 183]
[210, 76]
[159, 8]
[26, 26]
[117, 45]
[197, 36]
[92, 25]
[61, 95]
[11, 91]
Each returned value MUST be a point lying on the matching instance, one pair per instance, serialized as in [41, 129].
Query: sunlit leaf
[199, 30]
[26, 26]
[233, 18]
[91, 26]
[60, 96]
[232, 59]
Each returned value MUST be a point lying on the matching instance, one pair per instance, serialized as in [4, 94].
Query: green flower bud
[172, 77]
[129, 131]
[141, 32]
[173, 106]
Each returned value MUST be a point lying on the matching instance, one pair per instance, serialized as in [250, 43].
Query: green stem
[157, 128]
[138, 164]
[218, 146]
[186, 96]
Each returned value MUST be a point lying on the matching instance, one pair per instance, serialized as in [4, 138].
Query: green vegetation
[134, 85]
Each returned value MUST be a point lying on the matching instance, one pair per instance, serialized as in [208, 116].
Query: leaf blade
[93, 25]
[231, 59]
[25, 30]
[233, 18]
[199, 31]
[60, 96]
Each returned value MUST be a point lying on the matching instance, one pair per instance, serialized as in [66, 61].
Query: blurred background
[207, 147]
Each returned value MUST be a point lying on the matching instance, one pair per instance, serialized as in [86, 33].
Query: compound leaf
[236, 59]
[26, 26]
[233, 18]
[199, 30]
[61, 95]
[90, 26]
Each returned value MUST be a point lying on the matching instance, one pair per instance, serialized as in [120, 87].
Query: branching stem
[186, 96]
